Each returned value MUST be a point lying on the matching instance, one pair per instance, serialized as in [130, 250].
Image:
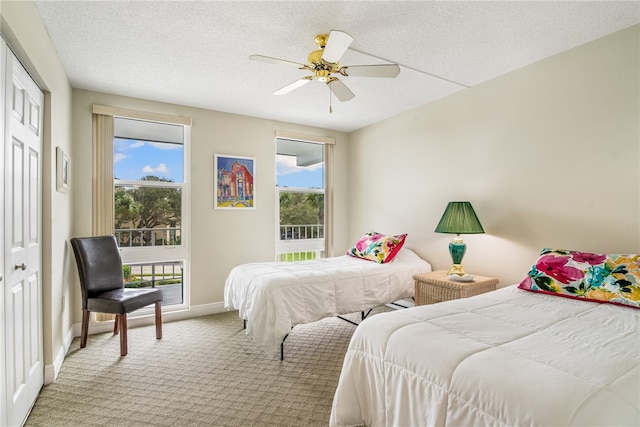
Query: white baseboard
[51, 371]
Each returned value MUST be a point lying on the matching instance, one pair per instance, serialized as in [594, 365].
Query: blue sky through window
[133, 159]
[290, 175]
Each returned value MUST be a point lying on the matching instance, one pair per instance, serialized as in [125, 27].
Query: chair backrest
[99, 265]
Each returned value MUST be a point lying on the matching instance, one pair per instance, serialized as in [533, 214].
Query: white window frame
[328, 143]
[157, 254]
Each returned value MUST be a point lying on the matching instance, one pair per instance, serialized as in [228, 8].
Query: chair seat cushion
[123, 300]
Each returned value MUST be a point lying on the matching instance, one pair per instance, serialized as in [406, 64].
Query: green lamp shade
[459, 218]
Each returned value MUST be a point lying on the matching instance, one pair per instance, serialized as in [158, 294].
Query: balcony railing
[303, 231]
[296, 242]
[300, 242]
[133, 237]
[167, 276]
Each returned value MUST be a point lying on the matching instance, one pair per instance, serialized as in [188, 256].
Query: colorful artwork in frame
[233, 182]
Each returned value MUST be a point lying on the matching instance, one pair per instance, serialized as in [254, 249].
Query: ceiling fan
[323, 63]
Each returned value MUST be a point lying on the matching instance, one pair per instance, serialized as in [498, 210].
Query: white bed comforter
[505, 358]
[273, 297]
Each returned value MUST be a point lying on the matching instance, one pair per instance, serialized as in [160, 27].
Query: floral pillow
[377, 247]
[613, 278]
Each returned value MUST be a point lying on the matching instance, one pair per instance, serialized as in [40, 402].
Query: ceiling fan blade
[271, 60]
[292, 86]
[337, 45]
[384, 70]
[340, 90]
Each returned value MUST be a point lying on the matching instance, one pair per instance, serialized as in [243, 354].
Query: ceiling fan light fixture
[323, 75]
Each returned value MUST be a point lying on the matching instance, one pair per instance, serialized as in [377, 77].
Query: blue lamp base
[457, 249]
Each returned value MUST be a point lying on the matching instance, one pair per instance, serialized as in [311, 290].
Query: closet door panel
[22, 292]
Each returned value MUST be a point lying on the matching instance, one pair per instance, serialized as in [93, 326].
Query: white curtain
[102, 175]
[328, 200]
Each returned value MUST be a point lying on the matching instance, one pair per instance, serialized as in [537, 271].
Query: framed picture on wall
[233, 182]
[63, 170]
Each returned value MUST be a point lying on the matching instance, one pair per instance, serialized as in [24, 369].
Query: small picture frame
[63, 170]
[233, 182]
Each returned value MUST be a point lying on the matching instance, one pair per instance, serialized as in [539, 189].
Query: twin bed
[562, 348]
[273, 297]
[505, 358]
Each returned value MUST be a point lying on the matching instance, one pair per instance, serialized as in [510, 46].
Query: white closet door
[3, 375]
[22, 284]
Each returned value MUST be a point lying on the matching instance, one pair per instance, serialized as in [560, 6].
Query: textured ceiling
[197, 53]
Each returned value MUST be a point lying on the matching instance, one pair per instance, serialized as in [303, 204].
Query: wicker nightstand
[436, 286]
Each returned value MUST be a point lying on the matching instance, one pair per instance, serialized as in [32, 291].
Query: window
[301, 173]
[149, 189]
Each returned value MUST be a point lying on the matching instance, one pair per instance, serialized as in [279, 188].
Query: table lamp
[458, 218]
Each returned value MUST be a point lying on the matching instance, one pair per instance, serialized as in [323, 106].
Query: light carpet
[204, 371]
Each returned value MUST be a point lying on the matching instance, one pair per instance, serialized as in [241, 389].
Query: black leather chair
[103, 291]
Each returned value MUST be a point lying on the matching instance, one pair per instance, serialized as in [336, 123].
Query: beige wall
[24, 32]
[548, 155]
[221, 239]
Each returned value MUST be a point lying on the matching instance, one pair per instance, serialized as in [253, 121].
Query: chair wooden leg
[159, 320]
[123, 335]
[116, 324]
[85, 328]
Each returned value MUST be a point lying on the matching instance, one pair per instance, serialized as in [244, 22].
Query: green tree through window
[148, 208]
[301, 208]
